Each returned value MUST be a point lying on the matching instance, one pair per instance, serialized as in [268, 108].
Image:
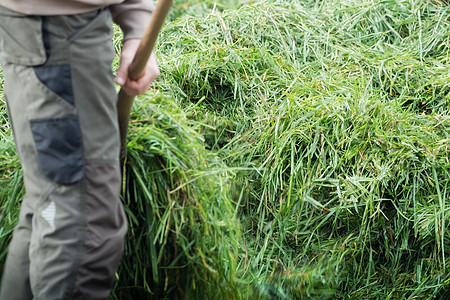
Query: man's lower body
[61, 100]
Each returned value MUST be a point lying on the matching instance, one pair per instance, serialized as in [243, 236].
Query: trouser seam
[82, 232]
[45, 39]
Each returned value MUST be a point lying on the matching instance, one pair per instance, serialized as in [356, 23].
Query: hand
[140, 86]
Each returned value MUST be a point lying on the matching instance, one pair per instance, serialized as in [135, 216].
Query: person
[60, 92]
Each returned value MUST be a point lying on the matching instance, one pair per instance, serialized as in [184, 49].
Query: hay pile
[290, 150]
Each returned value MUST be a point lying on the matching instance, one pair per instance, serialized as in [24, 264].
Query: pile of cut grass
[295, 150]
[338, 112]
[184, 237]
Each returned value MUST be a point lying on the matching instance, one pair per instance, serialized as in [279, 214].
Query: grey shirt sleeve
[133, 17]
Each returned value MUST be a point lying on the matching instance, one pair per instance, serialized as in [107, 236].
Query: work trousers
[61, 99]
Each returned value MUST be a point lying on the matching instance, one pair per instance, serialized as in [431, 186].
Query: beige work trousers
[61, 100]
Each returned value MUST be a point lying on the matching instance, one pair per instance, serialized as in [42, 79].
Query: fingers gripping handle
[149, 39]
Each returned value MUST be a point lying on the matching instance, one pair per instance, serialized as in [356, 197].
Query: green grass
[11, 186]
[338, 111]
[181, 217]
[289, 150]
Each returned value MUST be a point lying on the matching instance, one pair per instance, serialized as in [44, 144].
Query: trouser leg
[72, 224]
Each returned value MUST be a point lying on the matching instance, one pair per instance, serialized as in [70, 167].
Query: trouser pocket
[39, 80]
[59, 146]
[18, 46]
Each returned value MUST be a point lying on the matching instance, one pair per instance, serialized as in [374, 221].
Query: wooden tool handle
[148, 41]
[137, 68]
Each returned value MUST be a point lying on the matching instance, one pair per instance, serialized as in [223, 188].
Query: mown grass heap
[183, 231]
[339, 112]
[294, 150]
